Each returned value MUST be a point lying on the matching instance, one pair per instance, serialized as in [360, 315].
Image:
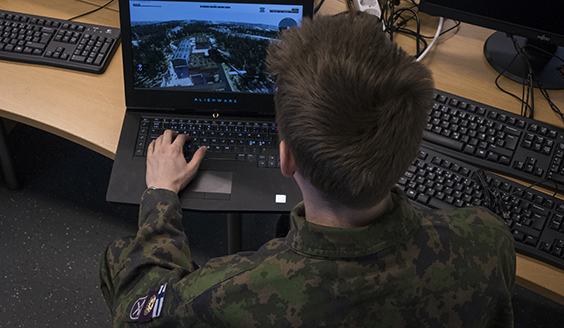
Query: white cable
[434, 40]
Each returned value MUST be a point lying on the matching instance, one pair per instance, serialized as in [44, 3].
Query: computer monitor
[536, 25]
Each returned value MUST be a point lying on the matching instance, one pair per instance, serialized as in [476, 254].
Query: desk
[85, 108]
[89, 109]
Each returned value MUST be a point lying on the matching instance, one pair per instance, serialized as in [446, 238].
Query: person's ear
[287, 162]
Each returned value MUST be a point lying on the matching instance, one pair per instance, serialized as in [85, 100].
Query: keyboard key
[443, 141]
[78, 59]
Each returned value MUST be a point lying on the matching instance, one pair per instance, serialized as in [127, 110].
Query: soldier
[351, 109]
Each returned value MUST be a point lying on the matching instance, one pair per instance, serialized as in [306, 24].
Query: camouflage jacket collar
[391, 229]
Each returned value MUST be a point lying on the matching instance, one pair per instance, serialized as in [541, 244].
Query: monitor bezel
[194, 101]
[533, 33]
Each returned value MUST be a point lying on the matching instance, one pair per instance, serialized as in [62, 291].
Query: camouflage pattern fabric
[410, 268]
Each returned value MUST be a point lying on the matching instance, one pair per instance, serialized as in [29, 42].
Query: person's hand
[166, 166]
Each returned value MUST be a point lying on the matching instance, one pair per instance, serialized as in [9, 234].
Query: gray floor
[53, 230]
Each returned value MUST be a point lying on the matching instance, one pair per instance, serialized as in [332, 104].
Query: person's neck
[318, 211]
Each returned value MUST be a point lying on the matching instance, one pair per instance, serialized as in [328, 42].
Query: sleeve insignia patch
[148, 307]
[137, 308]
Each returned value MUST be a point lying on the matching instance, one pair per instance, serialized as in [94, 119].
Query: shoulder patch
[148, 307]
[138, 306]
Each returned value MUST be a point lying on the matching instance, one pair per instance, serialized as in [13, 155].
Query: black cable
[316, 7]
[553, 106]
[534, 185]
[93, 11]
[526, 108]
[489, 196]
[529, 80]
[507, 92]
[387, 14]
[526, 88]
[455, 26]
[532, 89]
[542, 89]
[394, 22]
[496, 198]
[456, 23]
[417, 37]
[397, 16]
[493, 197]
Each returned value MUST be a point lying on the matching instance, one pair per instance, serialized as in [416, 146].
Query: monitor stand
[502, 56]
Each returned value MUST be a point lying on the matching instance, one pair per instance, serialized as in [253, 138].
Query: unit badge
[148, 307]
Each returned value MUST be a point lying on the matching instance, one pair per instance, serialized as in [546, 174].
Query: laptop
[198, 67]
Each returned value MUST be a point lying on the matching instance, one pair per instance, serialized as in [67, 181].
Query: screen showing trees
[203, 55]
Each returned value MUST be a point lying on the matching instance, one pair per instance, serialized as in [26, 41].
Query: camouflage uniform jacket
[410, 268]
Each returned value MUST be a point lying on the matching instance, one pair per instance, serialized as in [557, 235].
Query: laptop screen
[207, 55]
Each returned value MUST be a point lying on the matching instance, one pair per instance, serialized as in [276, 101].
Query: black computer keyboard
[56, 42]
[535, 218]
[496, 140]
[253, 142]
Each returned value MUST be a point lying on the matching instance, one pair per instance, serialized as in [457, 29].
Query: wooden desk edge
[61, 133]
[537, 272]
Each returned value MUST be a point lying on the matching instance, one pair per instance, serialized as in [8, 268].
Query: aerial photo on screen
[203, 55]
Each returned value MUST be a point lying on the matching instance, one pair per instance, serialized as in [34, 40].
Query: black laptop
[198, 67]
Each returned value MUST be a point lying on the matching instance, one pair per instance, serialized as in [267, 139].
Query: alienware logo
[216, 100]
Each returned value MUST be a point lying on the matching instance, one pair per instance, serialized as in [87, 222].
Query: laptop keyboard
[237, 140]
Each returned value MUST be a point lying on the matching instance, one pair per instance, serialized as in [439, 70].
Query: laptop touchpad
[218, 182]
